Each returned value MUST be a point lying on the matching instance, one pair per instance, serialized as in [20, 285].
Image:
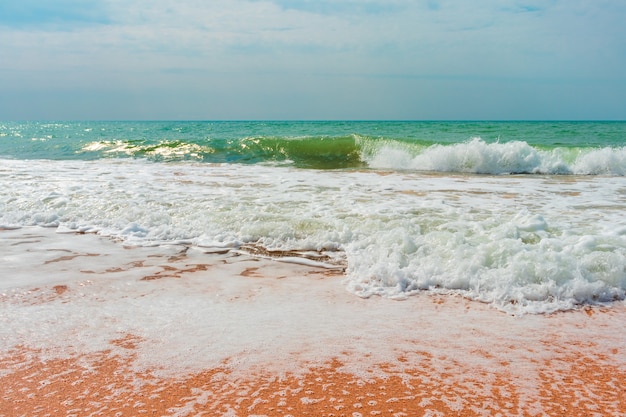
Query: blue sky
[304, 59]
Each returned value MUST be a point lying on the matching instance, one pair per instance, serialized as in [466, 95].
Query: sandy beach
[90, 327]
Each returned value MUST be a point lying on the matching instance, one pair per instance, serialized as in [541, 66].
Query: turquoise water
[554, 147]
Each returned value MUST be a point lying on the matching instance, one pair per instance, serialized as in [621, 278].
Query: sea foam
[479, 157]
[524, 244]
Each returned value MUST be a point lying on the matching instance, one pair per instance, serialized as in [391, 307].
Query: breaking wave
[319, 152]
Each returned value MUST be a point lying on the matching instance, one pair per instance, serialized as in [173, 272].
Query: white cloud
[52, 14]
[323, 51]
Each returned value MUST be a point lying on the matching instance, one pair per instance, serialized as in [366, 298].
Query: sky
[305, 59]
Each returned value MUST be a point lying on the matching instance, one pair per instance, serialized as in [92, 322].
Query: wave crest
[339, 152]
[479, 157]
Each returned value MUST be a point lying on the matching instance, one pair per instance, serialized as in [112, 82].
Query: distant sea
[526, 216]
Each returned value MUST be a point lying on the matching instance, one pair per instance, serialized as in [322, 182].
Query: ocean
[527, 217]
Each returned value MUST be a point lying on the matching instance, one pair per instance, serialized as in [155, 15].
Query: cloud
[332, 7]
[256, 57]
[29, 13]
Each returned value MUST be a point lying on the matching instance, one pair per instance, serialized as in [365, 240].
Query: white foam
[605, 161]
[479, 157]
[522, 243]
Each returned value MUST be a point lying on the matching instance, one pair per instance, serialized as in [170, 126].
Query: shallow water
[525, 244]
[94, 322]
[525, 216]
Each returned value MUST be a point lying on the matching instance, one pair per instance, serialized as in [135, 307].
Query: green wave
[317, 152]
[303, 152]
[359, 151]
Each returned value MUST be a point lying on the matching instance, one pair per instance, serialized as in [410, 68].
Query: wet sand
[93, 328]
[106, 385]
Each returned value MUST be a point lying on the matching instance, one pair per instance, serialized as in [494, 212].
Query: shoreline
[99, 328]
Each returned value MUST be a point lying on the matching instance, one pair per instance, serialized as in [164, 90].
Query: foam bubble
[521, 243]
[604, 161]
[516, 157]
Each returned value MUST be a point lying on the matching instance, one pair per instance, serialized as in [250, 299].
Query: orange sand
[105, 384]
